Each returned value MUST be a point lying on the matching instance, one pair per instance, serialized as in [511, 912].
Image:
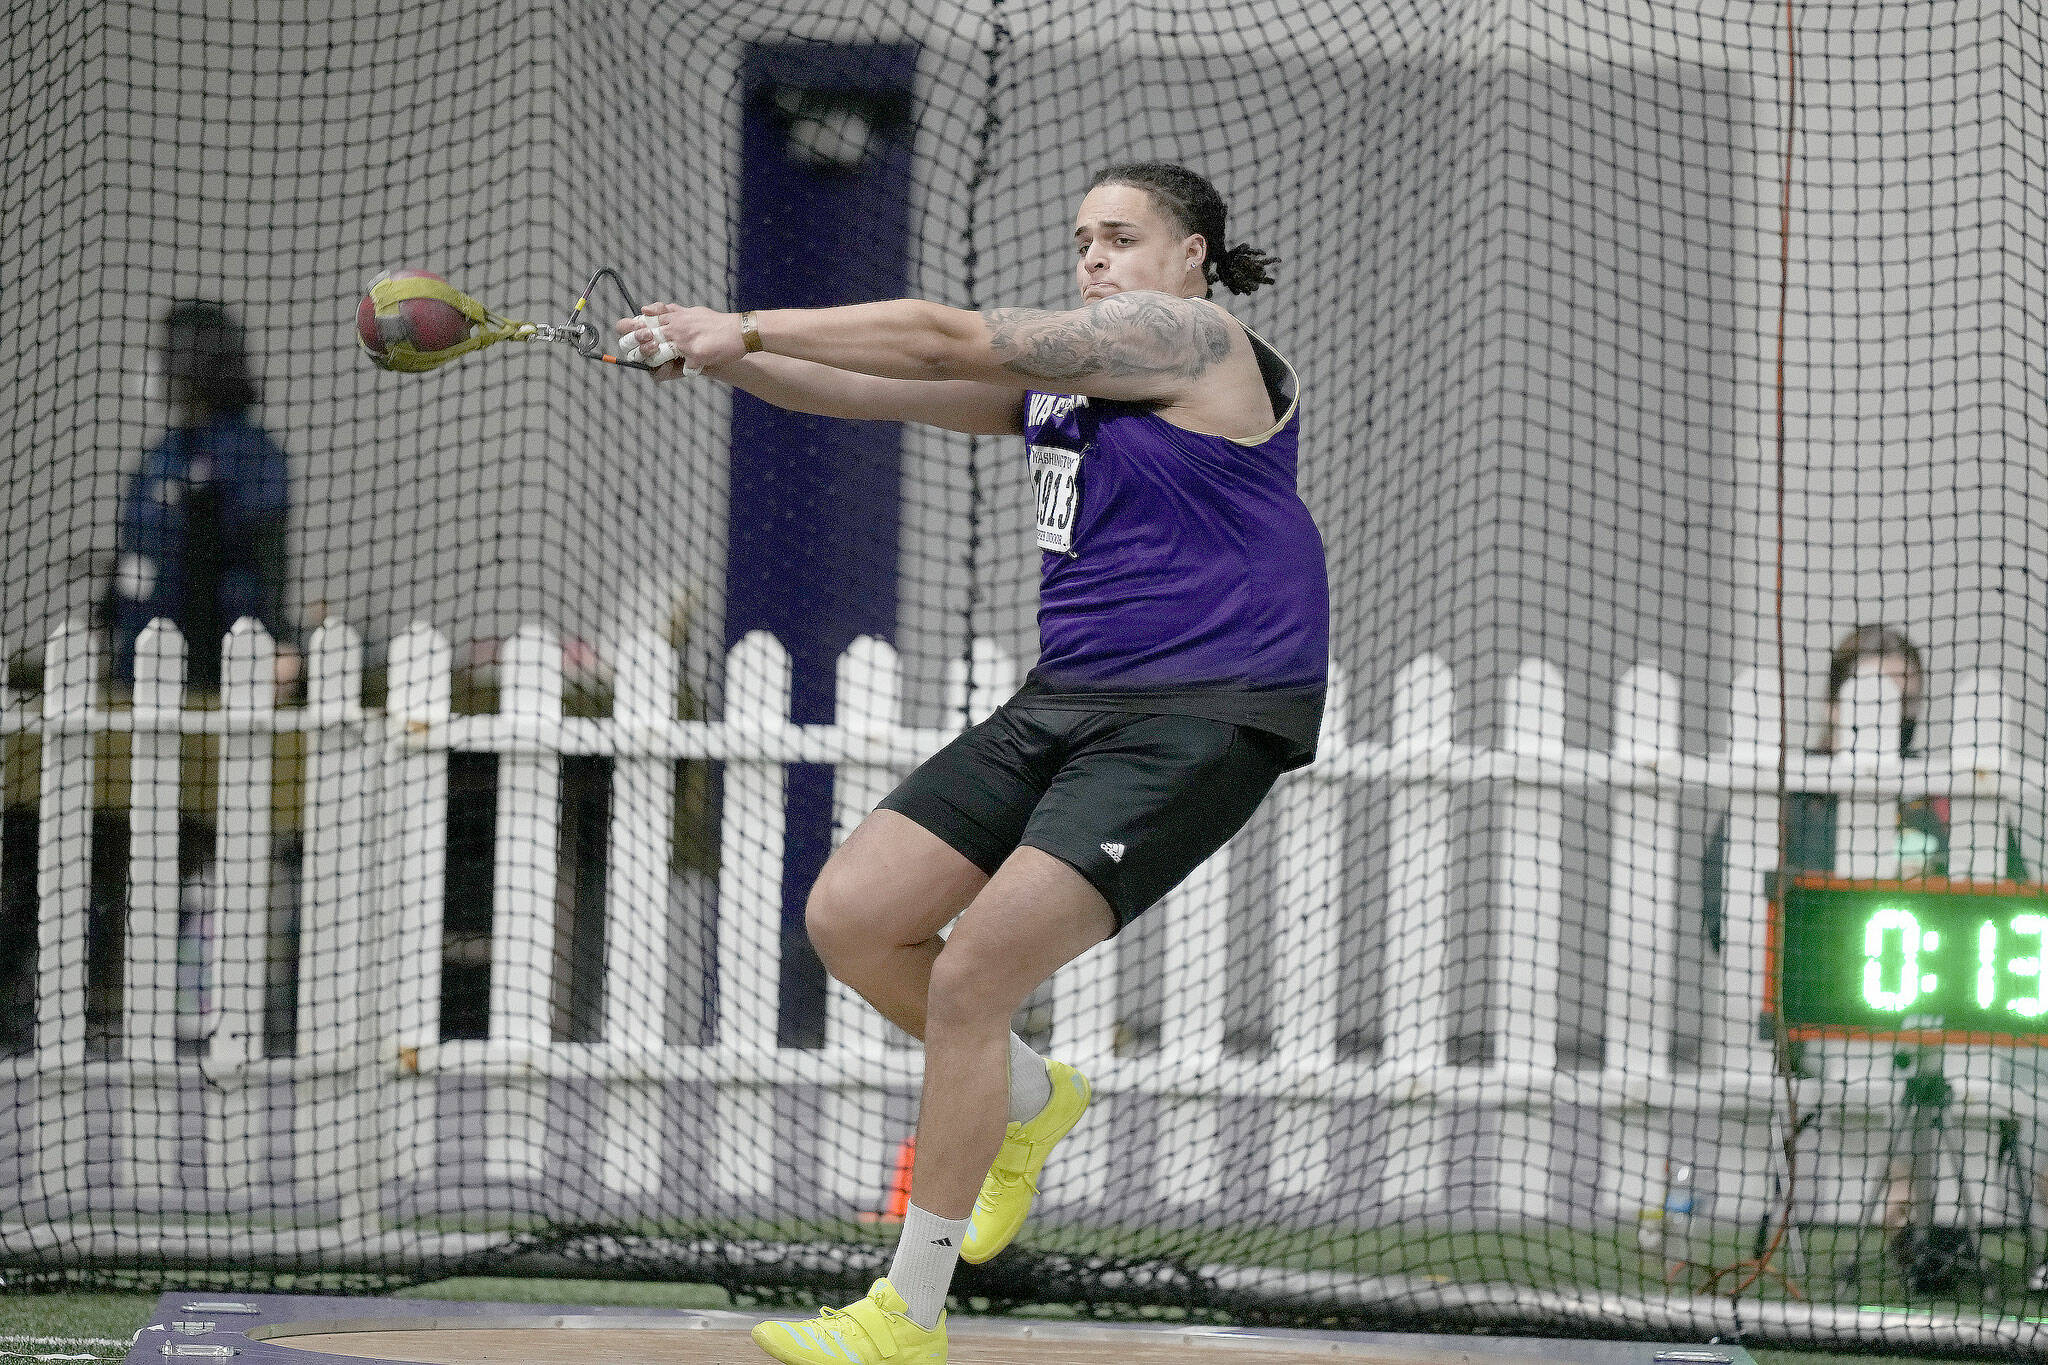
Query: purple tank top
[1174, 560]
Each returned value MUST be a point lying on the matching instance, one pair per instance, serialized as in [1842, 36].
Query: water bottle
[1679, 1202]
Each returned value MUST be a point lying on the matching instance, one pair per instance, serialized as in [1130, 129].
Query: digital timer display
[1932, 960]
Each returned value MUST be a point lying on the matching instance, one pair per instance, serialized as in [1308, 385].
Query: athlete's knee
[973, 985]
[841, 916]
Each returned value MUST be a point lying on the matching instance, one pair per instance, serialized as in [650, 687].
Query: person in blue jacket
[203, 519]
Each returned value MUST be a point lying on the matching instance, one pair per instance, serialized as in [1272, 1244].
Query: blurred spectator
[201, 543]
[203, 520]
[1932, 1258]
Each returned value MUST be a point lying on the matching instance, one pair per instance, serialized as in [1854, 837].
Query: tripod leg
[1877, 1185]
[1969, 1209]
[1781, 1179]
[2024, 1177]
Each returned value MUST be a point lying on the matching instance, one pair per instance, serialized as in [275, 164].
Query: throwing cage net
[1642, 955]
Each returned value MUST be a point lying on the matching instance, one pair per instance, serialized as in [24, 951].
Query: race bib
[1056, 475]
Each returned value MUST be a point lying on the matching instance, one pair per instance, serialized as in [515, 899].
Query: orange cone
[897, 1207]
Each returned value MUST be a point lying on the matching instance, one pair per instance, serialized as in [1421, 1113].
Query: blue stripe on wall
[814, 510]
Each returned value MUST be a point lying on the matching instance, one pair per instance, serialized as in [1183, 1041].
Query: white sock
[925, 1257]
[1030, 1085]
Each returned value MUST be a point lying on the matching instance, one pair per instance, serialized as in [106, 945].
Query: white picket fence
[362, 1084]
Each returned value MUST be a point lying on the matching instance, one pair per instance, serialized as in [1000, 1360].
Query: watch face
[1930, 959]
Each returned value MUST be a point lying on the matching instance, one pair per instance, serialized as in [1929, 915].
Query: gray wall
[1915, 342]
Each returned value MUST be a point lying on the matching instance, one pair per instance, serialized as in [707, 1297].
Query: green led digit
[2036, 928]
[1874, 931]
[1987, 964]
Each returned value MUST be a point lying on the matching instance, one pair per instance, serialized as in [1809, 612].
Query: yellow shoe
[874, 1330]
[1005, 1198]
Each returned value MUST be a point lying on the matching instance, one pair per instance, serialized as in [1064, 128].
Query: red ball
[429, 324]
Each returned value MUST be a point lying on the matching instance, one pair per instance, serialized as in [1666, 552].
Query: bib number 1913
[1056, 476]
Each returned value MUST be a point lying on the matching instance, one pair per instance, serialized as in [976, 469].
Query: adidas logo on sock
[1115, 852]
[943, 1242]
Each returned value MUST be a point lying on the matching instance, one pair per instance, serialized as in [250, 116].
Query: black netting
[1645, 954]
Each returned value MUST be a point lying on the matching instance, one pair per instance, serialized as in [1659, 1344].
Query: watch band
[750, 333]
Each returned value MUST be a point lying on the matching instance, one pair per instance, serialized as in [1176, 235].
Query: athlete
[1184, 631]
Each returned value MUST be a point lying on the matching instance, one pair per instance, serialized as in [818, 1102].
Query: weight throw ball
[428, 324]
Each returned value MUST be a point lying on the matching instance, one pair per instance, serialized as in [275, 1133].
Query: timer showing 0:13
[1925, 958]
[1896, 949]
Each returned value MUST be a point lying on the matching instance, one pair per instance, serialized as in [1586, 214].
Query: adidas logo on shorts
[1115, 852]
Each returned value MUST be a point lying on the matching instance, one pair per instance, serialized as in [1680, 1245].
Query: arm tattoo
[1124, 335]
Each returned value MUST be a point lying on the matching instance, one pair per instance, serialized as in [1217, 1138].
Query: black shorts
[1133, 802]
